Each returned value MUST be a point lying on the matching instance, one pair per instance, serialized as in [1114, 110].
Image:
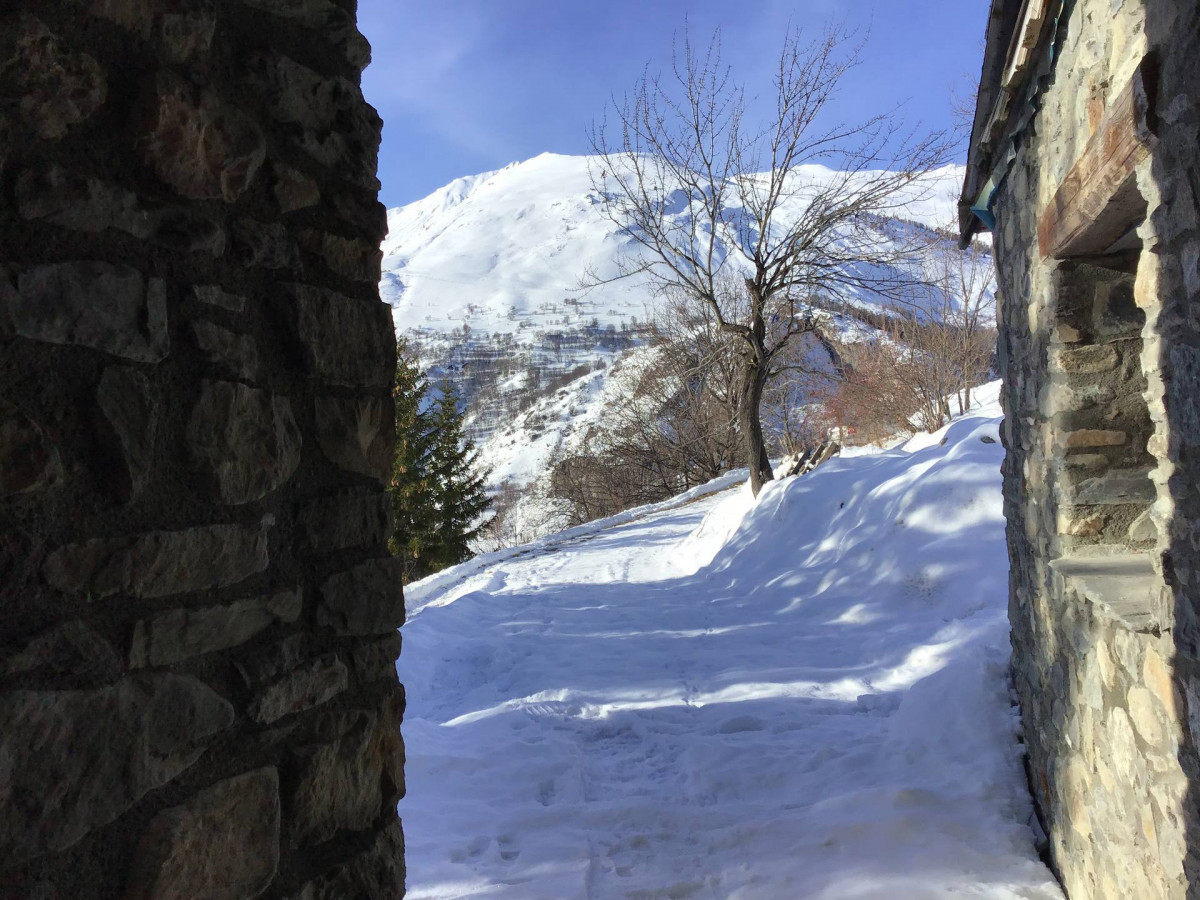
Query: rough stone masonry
[1085, 165]
[198, 616]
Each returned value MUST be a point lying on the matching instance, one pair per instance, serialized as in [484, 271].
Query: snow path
[799, 698]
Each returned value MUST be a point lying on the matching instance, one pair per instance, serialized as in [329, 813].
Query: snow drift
[799, 697]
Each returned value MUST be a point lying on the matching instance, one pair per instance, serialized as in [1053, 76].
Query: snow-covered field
[803, 697]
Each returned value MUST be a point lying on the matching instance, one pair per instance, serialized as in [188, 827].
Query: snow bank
[799, 697]
[446, 586]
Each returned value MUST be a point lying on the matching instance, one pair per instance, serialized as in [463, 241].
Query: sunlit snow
[799, 697]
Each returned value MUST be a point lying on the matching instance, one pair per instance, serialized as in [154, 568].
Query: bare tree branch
[738, 219]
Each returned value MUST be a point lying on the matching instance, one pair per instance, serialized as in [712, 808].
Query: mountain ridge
[508, 246]
[485, 278]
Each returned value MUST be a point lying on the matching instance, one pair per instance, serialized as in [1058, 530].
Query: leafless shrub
[929, 354]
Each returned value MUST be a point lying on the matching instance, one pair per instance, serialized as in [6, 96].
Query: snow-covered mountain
[506, 252]
[485, 277]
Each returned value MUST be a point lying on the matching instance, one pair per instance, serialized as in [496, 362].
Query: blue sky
[465, 86]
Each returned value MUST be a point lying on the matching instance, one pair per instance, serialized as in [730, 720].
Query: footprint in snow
[741, 724]
[506, 845]
[509, 850]
[473, 850]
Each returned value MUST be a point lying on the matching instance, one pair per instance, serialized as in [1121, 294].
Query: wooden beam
[1098, 201]
[1002, 19]
[1026, 38]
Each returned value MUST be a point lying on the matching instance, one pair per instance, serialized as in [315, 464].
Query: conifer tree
[459, 484]
[437, 491]
[412, 488]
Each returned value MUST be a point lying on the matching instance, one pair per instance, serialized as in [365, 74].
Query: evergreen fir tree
[437, 491]
[412, 487]
[458, 483]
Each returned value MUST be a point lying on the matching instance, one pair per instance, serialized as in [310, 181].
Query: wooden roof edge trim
[1016, 28]
[1001, 20]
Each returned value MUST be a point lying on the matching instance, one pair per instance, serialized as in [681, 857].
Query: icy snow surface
[803, 697]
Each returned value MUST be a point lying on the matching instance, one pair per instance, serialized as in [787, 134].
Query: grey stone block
[357, 519]
[1112, 488]
[356, 435]
[367, 599]
[124, 741]
[112, 308]
[72, 648]
[184, 633]
[343, 338]
[302, 688]
[246, 439]
[222, 843]
[340, 783]
[200, 146]
[125, 398]
[236, 353]
[160, 563]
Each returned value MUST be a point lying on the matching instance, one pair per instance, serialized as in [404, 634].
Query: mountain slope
[804, 696]
[484, 277]
[507, 251]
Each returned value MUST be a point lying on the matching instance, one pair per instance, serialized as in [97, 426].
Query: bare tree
[928, 354]
[963, 297]
[673, 422]
[731, 216]
[704, 356]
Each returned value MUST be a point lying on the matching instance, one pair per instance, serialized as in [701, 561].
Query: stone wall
[1169, 288]
[197, 613]
[1100, 387]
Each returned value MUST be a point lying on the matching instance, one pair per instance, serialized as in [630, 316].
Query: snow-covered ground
[803, 697]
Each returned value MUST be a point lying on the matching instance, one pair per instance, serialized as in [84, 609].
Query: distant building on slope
[1085, 166]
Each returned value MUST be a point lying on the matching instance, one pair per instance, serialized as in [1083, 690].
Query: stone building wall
[1099, 355]
[1169, 289]
[197, 613]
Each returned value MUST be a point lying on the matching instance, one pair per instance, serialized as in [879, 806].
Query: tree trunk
[751, 427]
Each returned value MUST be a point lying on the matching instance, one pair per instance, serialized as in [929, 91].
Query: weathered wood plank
[1098, 200]
[1002, 19]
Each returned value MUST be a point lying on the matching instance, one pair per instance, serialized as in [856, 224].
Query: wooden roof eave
[1015, 31]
